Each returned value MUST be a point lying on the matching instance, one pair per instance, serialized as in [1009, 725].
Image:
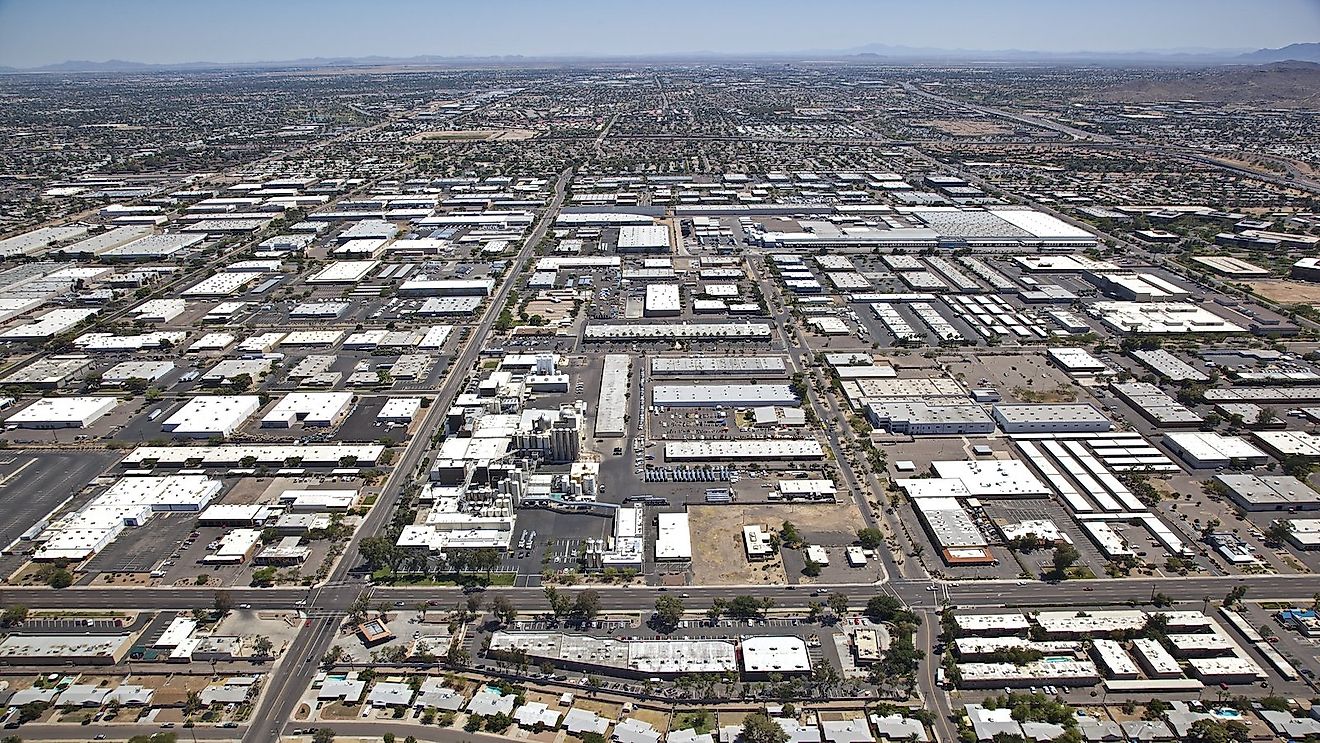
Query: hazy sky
[36, 32]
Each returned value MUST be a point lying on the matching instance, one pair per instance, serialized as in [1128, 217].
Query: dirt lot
[965, 127]
[474, 134]
[1017, 378]
[718, 557]
[1288, 292]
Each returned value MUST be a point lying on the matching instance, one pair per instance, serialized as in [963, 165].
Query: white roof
[63, 411]
[673, 539]
[774, 654]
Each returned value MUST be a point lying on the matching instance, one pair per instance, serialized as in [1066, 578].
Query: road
[294, 673]
[915, 592]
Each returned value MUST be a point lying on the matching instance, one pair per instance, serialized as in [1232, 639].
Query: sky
[37, 32]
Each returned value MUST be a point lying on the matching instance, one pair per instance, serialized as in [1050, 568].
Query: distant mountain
[1295, 52]
[1164, 56]
[1278, 85]
[861, 54]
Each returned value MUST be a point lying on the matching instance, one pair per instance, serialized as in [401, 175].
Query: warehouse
[235, 514]
[1210, 450]
[1230, 266]
[1050, 418]
[918, 418]
[643, 239]
[1135, 287]
[1155, 318]
[1155, 405]
[725, 366]
[61, 412]
[673, 331]
[150, 371]
[220, 284]
[211, 416]
[673, 538]
[130, 502]
[368, 229]
[446, 287]
[662, 300]
[399, 409]
[1168, 366]
[1290, 443]
[766, 450]
[612, 403]
[344, 272]
[1268, 493]
[763, 656]
[310, 409]
[449, 306]
[1078, 361]
[715, 395]
[1306, 269]
[64, 650]
[231, 455]
[58, 321]
[952, 529]
[152, 247]
[50, 372]
[35, 241]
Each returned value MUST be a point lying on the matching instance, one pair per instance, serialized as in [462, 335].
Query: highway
[915, 592]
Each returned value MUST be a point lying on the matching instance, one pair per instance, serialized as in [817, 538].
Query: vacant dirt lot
[717, 551]
[1288, 292]
[966, 127]
[486, 135]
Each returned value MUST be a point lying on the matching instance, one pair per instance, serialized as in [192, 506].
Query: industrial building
[1050, 418]
[643, 239]
[724, 366]
[309, 409]
[662, 300]
[677, 331]
[1269, 492]
[61, 412]
[727, 395]
[204, 417]
[918, 418]
[673, 538]
[1210, 450]
[729, 451]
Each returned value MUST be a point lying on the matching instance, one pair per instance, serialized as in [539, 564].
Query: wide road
[915, 592]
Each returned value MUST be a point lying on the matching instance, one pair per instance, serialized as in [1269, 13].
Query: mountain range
[1307, 52]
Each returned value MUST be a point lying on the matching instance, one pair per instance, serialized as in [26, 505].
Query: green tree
[871, 538]
[1236, 595]
[1216, 731]
[262, 647]
[759, 728]
[668, 611]
[376, 551]
[13, 615]
[586, 606]
[745, 607]
[560, 603]
[59, 578]
[789, 533]
[838, 603]
[1065, 556]
[502, 609]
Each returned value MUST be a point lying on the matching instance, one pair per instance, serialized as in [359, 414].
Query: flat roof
[673, 539]
[774, 654]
